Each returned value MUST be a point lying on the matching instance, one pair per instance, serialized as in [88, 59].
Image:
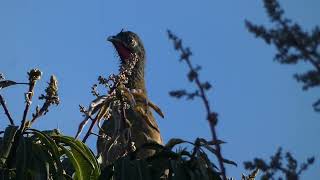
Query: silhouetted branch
[4, 84]
[316, 105]
[294, 44]
[94, 90]
[34, 75]
[89, 132]
[6, 111]
[291, 171]
[200, 92]
[251, 176]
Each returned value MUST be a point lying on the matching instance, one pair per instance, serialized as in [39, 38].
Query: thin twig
[6, 110]
[101, 136]
[117, 80]
[29, 96]
[51, 97]
[89, 132]
[34, 75]
[211, 116]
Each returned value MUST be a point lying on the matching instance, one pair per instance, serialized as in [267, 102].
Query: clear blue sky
[260, 105]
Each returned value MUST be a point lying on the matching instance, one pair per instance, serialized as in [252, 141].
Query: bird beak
[116, 41]
[113, 39]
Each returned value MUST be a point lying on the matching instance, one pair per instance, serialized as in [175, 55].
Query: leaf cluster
[167, 164]
[27, 153]
[42, 155]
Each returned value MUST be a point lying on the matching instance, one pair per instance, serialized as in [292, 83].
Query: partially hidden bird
[144, 127]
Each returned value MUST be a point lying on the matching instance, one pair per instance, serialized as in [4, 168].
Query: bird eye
[133, 42]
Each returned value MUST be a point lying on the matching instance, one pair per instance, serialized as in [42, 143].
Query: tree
[294, 44]
[28, 153]
[60, 157]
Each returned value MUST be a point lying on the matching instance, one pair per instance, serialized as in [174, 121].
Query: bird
[144, 127]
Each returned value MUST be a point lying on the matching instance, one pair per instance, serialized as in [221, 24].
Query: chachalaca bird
[143, 125]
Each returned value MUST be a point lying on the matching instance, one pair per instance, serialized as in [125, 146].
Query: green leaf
[21, 159]
[178, 170]
[205, 157]
[90, 154]
[151, 145]
[78, 146]
[89, 171]
[80, 174]
[35, 167]
[6, 143]
[211, 149]
[54, 132]
[173, 142]
[80, 156]
[229, 162]
[6, 83]
[43, 162]
[52, 147]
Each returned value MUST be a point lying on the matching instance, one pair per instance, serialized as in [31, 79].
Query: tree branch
[6, 110]
[193, 76]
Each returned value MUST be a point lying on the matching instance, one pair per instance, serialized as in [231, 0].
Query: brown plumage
[143, 125]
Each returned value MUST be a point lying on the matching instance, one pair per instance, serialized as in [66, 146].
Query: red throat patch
[123, 52]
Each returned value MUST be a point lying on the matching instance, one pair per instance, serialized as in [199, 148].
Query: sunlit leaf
[80, 156]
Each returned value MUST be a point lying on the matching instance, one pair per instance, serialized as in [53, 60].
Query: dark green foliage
[6, 143]
[293, 44]
[165, 164]
[27, 153]
[39, 154]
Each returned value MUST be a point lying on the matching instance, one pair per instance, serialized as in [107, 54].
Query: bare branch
[6, 111]
[34, 75]
[193, 76]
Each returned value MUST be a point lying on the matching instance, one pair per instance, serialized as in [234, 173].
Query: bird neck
[136, 80]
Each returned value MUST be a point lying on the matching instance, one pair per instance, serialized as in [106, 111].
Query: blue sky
[260, 105]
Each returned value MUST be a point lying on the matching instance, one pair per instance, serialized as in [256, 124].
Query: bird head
[127, 44]
[130, 48]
